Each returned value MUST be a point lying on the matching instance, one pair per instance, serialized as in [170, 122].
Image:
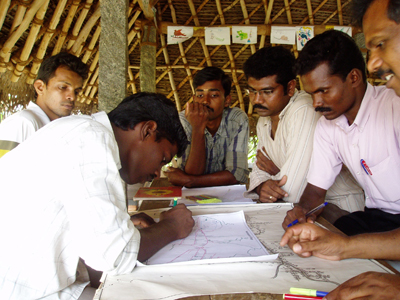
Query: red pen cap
[299, 297]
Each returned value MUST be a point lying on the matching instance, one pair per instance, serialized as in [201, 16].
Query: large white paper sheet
[276, 276]
[214, 236]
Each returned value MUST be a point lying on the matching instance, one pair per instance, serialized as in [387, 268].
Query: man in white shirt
[59, 81]
[72, 206]
[285, 132]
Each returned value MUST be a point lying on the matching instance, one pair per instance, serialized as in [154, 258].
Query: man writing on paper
[72, 205]
[218, 135]
[58, 83]
[285, 133]
[380, 20]
[360, 129]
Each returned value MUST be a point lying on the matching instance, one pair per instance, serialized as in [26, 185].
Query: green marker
[307, 292]
[175, 202]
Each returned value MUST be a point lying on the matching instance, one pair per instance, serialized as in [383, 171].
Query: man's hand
[297, 213]
[141, 220]
[177, 176]
[309, 239]
[197, 115]
[265, 164]
[179, 219]
[369, 285]
[270, 190]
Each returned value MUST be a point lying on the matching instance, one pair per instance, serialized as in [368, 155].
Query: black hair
[360, 7]
[211, 74]
[63, 59]
[271, 61]
[335, 48]
[142, 107]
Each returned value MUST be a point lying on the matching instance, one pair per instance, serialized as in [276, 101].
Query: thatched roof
[31, 30]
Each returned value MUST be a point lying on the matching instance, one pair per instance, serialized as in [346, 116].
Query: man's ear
[291, 86]
[355, 76]
[39, 86]
[149, 128]
[227, 100]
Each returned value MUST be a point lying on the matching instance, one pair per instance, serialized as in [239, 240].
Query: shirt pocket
[386, 178]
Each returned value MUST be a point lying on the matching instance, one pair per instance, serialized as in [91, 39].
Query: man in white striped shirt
[285, 132]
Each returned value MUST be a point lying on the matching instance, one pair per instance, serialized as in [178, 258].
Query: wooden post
[148, 48]
[113, 61]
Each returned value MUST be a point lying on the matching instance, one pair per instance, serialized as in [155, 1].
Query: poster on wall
[217, 35]
[244, 34]
[303, 35]
[178, 34]
[283, 35]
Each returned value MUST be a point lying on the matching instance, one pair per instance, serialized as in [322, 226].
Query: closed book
[158, 193]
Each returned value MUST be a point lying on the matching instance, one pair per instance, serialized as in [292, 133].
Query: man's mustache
[259, 106]
[209, 108]
[322, 109]
[381, 73]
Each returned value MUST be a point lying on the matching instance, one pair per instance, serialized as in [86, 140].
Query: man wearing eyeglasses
[218, 135]
[285, 133]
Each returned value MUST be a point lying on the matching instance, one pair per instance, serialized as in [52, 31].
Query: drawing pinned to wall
[345, 29]
[304, 34]
[283, 35]
[244, 35]
[217, 35]
[178, 34]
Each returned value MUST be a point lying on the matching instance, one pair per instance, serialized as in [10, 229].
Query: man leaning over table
[380, 20]
[218, 135]
[285, 133]
[57, 85]
[71, 210]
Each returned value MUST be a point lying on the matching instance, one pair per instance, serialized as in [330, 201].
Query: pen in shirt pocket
[365, 167]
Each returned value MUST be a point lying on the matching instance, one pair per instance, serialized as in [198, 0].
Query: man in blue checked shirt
[218, 135]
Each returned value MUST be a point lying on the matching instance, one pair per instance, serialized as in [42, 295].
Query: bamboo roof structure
[31, 30]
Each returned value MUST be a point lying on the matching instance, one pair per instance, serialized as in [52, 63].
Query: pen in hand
[309, 213]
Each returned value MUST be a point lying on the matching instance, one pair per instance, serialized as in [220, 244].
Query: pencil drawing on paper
[213, 236]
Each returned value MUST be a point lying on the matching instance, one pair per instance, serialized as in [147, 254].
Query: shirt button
[358, 173]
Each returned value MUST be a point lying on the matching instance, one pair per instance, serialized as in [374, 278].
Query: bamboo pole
[339, 6]
[92, 44]
[19, 15]
[170, 75]
[13, 38]
[181, 49]
[310, 12]
[84, 32]
[37, 60]
[67, 23]
[4, 5]
[79, 22]
[29, 43]
[314, 12]
[335, 12]
[131, 82]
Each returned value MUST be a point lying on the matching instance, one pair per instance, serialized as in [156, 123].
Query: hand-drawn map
[173, 281]
[213, 236]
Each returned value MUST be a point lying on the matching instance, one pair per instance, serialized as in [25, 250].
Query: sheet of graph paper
[174, 281]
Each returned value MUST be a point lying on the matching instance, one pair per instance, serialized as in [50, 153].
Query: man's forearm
[382, 245]
[312, 197]
[214, 179]
[196, 162]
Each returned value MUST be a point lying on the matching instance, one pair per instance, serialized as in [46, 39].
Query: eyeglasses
[264, 93]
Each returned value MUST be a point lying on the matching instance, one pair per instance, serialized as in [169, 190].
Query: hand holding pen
[300, 214]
